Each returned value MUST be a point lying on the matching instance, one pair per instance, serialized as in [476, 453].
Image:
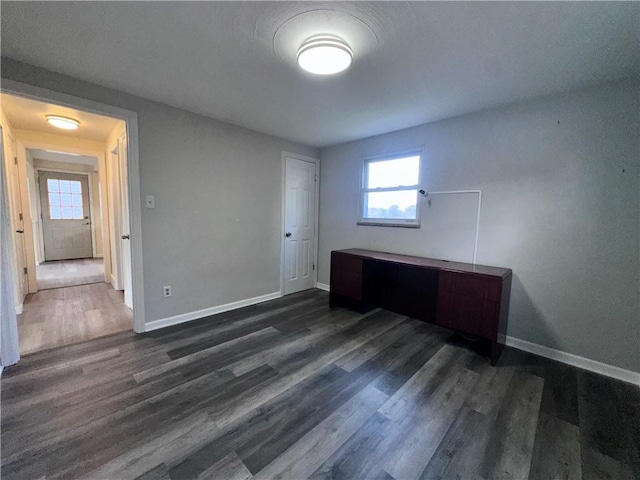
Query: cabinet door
[346, 275]
[467, 314]
[469, 303]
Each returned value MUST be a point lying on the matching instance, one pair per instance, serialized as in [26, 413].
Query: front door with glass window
[66, 224]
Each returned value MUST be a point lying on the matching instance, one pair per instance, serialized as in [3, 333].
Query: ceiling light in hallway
[63, 122]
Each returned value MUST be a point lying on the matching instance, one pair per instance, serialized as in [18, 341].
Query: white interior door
[125, 228]
[66, 215]
[300, 219]
[17, 221]
[8, 324]
[115, 222]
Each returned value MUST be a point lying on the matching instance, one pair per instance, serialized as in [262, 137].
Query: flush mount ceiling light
[63, 122]
[324, 55]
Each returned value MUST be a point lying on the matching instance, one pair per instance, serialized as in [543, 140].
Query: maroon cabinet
[349, 282]
[472, 299]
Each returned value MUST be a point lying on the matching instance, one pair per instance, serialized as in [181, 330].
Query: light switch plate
[151, 201]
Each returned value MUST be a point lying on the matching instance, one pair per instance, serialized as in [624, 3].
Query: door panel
[299, 225]
[19, 216]
[125, 228]
[66, 215]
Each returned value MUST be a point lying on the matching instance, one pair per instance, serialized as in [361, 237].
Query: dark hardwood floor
[293, 389]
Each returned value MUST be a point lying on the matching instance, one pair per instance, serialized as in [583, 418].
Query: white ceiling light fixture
[324, 55]
[65, 123]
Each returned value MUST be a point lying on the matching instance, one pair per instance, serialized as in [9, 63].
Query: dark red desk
[472, 299]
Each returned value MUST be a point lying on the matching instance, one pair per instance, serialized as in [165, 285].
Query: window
[65, 199]
[390, 190]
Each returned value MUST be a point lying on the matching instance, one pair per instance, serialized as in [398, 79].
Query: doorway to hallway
[73, 196]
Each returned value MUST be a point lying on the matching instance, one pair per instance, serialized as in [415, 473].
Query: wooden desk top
[429, 262]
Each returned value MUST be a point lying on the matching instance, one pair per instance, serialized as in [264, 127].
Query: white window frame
[390, 222]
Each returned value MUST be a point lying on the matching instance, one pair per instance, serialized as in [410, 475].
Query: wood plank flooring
[292, 389]
[63, 316]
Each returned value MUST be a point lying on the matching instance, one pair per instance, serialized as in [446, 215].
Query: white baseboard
[187, 317]
[322, 286]
[19, 309]
[98, 255]
[575, 360]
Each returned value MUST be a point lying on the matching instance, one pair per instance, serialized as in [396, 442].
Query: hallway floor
[63, 316]
[67, 273]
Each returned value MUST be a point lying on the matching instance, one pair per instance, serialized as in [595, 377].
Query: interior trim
[198, 314]
[575, 360]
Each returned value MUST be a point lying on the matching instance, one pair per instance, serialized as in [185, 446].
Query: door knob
[288, 234]
[125, 237]
[19, 231]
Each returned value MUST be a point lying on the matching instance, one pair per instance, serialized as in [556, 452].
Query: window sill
[384, 224]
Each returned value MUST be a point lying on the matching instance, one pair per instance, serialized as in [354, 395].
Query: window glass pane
[65, 186]
[395, 205]
[54, 199]
[76, 200]
[55, 213]
[52, 185]
[76, 187]
[65, 199]
[67, 213]
[77, 213]
[393, 173]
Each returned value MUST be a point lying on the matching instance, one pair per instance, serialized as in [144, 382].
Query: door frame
[92, 192]
[283, 193]
[23, 146]
[133, 185]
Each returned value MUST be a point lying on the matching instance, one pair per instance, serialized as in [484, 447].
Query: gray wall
[561, 182]
[214, 235]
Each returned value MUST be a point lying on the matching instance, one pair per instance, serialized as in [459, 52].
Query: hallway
[64, 316]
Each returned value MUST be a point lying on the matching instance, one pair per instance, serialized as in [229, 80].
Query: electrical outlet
[166, 291]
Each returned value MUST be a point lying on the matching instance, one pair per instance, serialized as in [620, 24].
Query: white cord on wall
[453, 192]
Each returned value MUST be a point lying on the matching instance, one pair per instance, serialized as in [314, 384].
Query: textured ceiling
[414, 62]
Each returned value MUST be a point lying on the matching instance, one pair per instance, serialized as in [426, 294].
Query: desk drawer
[475, 286]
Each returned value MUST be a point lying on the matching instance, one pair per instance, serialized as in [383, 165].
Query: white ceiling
[414, 62]
[27, 114]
